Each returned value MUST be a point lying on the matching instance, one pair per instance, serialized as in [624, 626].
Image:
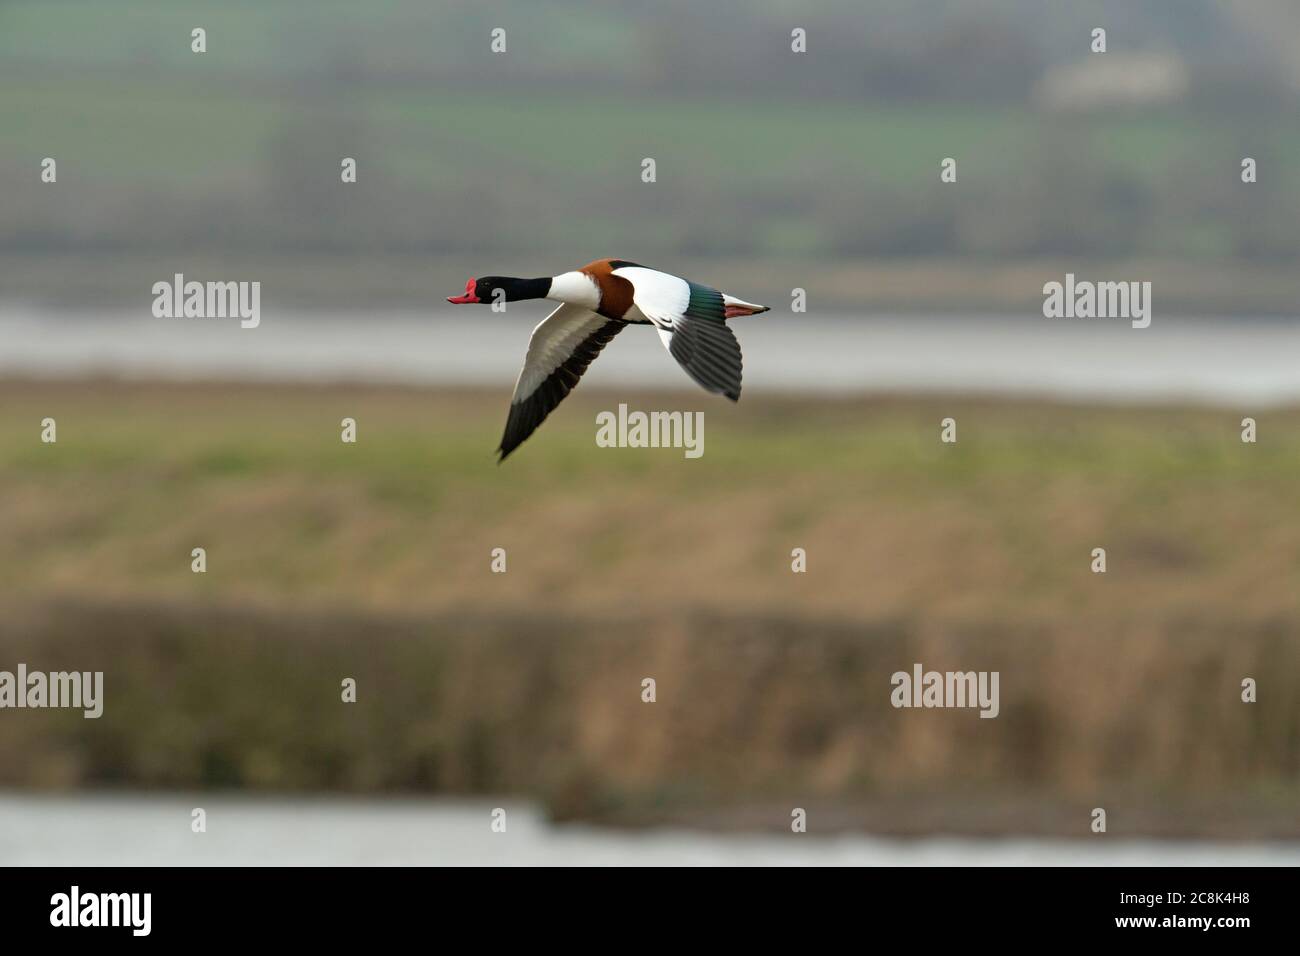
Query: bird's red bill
[468, 297]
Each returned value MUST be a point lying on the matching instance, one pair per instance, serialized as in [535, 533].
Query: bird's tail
[736, 307]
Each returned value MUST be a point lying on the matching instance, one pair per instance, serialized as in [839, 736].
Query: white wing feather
[554, 340]
[662, 298]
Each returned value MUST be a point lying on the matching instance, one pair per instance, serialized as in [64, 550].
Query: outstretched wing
[563, 345]
[691, 320]
[709, 353]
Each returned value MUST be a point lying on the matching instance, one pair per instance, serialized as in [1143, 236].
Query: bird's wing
[691, 320]
[563, 345]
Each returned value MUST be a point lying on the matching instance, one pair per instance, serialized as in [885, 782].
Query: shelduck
[596, 303]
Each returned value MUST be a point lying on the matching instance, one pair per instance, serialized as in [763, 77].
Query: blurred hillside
[530, 160]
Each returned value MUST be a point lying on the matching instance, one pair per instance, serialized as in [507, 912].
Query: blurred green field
[775, 178]
[230, 159]
[372, 560]
[141, 474]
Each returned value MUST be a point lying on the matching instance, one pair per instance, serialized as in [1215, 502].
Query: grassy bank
[328, 560]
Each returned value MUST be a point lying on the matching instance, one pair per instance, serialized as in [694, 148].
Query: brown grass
[1118, 690]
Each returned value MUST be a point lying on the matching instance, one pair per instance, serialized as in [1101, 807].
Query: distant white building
[1113, 79]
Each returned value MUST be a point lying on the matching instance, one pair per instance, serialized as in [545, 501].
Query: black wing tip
[513, 437]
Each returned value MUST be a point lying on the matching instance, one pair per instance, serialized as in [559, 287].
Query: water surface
[111, 829]
[1235, 362]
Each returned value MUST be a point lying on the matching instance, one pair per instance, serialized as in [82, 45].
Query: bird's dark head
[501, 288]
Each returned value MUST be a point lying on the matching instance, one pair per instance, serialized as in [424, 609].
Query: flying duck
[596, 303]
